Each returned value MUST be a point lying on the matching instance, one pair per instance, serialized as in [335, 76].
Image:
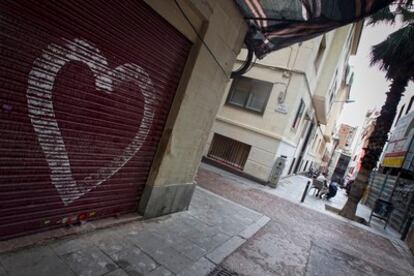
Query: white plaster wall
[270, 134]
[405, 100]
[334, 60]
[251, 137]
[263, 147]
[271, 121]
[292, 72]
[289, 151]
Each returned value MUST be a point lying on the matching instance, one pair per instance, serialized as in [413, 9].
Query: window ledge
[245, 109]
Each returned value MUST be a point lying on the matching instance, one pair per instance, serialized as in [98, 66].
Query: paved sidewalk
[302, 241]
[291, 188]
[187, 243]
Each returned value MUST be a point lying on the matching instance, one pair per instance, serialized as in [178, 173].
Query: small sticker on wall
[282, 108]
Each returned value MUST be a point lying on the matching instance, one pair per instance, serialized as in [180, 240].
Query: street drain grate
[221, 271]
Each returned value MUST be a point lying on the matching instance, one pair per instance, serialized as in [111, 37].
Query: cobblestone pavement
[292, 187]
[187, 243]
[302, 241]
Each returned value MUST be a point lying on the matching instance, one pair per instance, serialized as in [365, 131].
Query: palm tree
[395, 56]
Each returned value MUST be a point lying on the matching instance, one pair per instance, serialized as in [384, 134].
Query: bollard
[305, 192]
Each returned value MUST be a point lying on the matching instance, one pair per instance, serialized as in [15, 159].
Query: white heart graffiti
[40, 108]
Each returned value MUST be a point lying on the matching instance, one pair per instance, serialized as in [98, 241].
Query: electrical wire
[201, 39]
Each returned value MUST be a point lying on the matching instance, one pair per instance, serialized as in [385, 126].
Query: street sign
[399, 152]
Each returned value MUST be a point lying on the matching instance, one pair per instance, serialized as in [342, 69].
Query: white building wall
[263, 146]
[294, 76]
[405, 102]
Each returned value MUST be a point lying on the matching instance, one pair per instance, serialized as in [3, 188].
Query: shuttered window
[229, 151]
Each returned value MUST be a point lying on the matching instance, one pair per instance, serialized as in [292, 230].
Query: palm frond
[395, 54]
[384, 15]
[408, 3]
[407, 15]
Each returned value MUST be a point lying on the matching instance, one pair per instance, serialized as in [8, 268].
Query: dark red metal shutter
[86, 88]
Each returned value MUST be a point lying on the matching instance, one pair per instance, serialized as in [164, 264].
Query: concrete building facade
[362, 140]
[222, 28]
[285, 107]
[405, 106]
[346, 135]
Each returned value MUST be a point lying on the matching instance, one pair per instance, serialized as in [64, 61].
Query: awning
[275, 24]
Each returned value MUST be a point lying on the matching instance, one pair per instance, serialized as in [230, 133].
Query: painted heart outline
[40, 109]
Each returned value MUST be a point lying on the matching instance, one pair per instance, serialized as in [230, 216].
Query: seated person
[322, 178]
[332, 190]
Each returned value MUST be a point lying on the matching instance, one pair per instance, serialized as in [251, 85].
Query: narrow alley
[175, 137]
[302, 241]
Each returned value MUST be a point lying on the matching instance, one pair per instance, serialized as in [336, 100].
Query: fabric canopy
[275, 24]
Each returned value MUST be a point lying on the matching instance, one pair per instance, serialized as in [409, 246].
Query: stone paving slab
[89, 261]
[118, 272]
[2, 271]
[35, 261]
[224, 250]
[202, 267]
[178, 244]
[60, 233]
[160, 271]
[253, 228]
[325, 261]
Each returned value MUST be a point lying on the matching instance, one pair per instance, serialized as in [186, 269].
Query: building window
[314, 141]
[306, 165]
[318, 145]
[399, 114]
[291, 166]
[299, 114]
[319, 55]
[332, 90]
[321, 147]
[249, 94]
[305, 127]
[229, 151]
[410, 105]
